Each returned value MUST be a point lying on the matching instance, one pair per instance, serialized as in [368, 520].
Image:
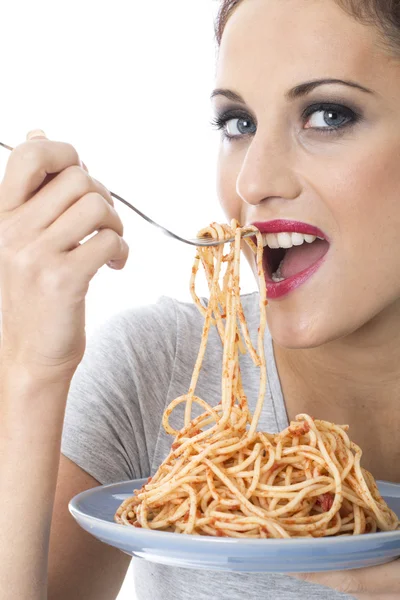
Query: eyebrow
[297, 92]
[305, 88]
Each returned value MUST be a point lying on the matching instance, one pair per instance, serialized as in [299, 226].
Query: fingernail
[113, 264]
[35, 133]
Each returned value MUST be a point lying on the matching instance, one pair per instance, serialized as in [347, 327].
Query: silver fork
[191, 241]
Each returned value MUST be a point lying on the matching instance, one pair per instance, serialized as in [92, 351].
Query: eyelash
[220, 121]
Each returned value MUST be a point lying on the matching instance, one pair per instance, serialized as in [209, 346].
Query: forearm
[31, 419]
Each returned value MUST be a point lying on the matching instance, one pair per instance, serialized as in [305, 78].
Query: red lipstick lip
[282, 225]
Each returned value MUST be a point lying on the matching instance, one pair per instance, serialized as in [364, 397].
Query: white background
[128, 83]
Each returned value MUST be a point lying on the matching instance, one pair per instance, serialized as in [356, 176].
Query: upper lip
[283, 225]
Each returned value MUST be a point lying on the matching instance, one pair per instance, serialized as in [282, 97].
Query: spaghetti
[224, 478]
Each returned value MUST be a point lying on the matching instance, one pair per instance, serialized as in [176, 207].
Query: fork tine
[211, 242]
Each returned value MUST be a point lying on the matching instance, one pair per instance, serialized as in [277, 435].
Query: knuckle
[117, 223]
[351, 584]
[98, 206]
[308, 577]
[104, 191]
[79, 179]
[26, 260]
[71, 151]
[112, 240]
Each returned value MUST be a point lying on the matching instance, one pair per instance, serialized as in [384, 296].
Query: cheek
[367, 194]
[227, 174]
[374, 218]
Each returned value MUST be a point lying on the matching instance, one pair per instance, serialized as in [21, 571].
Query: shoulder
[155, 331]
[136, 326]
[164, 318]
[159, 326]
[165, 314]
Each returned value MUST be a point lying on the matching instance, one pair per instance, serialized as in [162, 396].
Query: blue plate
[94, 511]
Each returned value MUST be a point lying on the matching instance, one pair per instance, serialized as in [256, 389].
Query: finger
[383, 579]
[59, 195]
[89, 214]
[104, 247]
[341, 581]
[40, 134]
[29, 165]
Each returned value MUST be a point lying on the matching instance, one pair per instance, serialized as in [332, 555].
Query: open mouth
[289, 254]
[292, 252]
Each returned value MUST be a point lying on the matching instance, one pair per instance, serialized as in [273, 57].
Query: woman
[307, 98]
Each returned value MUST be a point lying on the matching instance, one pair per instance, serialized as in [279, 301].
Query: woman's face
[312, 155]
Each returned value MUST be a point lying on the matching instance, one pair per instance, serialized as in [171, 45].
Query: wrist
[31, 404]
[24, 377]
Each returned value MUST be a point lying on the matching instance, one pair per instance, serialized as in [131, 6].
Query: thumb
[36, 133]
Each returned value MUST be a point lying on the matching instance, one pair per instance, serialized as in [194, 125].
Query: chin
[296, 332]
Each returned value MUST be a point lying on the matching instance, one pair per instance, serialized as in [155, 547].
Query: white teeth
[297, 239]
[272, 240]
[287, 240]
[310, 238]
[277, 276]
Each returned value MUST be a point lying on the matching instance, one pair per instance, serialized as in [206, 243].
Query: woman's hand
[374, 583]
[48, 204]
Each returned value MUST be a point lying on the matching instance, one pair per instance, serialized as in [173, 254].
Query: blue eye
[329, 117]
[235, 125]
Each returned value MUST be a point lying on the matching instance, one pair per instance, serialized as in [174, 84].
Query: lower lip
[278, 290]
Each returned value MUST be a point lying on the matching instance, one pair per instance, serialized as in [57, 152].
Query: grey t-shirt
[134, 366]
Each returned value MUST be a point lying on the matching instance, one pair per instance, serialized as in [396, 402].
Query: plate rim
[383, 536]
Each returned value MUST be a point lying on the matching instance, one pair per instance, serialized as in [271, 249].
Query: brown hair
[384, 14]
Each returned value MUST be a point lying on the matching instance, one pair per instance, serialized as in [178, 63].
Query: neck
[368, 359]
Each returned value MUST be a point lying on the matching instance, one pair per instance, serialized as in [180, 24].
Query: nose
[267, 173]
